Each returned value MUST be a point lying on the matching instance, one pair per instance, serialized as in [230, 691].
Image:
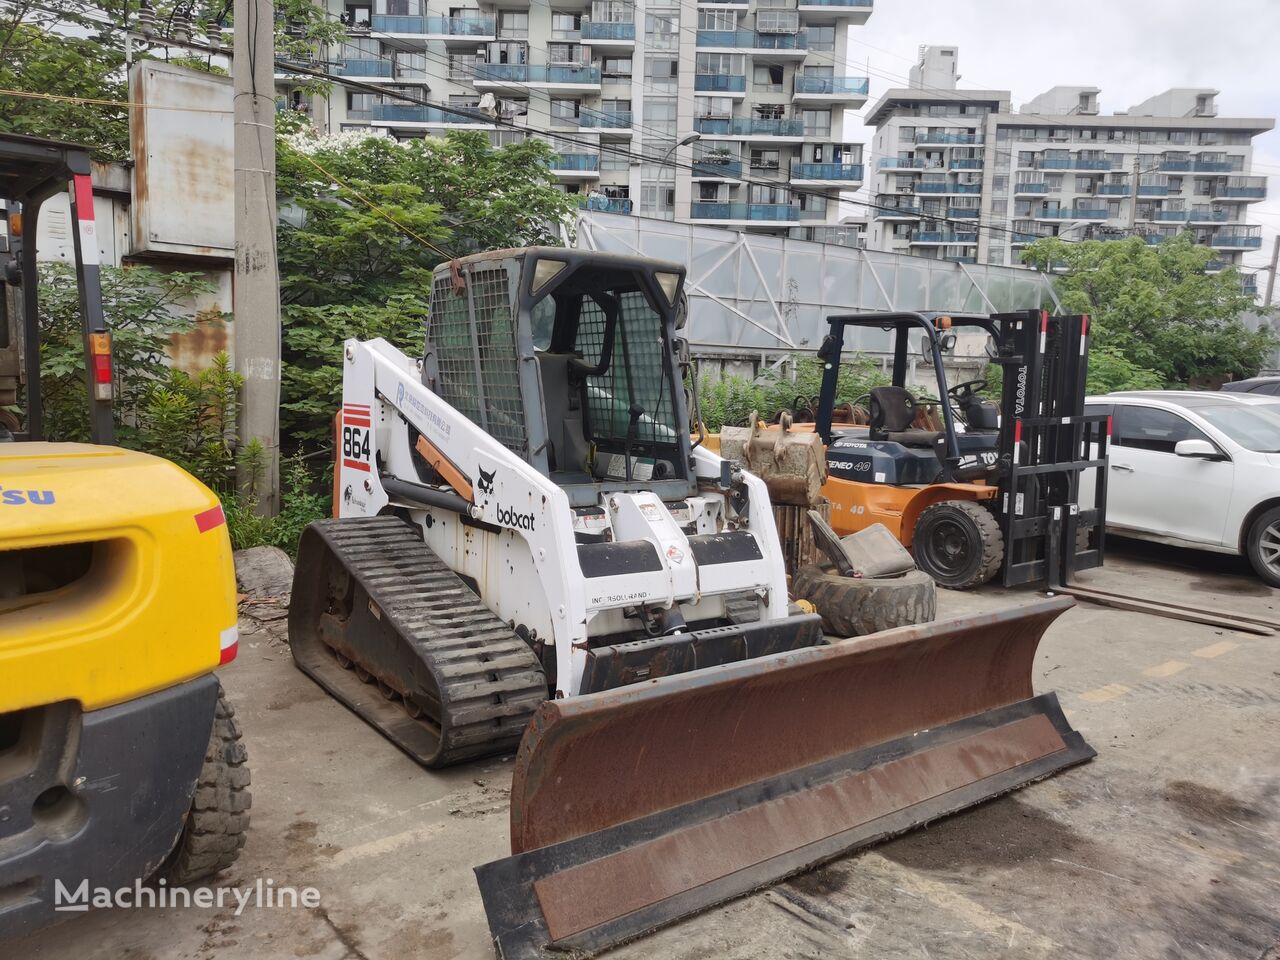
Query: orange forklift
[996, 489]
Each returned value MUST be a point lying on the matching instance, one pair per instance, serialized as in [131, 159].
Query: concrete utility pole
[1271, 277]
[257, 280]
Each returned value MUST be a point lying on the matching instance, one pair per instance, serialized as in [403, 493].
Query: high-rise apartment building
[960, 175]
[723, 112]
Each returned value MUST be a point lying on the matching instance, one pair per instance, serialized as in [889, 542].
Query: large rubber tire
[958, 543]
[216, 827]
[1263, 546]
[857, 606]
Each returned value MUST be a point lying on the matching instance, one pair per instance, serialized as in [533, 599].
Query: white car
[1195, 470]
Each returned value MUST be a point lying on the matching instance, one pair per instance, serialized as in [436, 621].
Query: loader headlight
[544, 271]
[670, 284]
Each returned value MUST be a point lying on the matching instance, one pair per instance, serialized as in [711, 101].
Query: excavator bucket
[635, 807]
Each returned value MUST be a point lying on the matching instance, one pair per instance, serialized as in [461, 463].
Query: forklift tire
[857, 606]
[958, 543]
[216, 826]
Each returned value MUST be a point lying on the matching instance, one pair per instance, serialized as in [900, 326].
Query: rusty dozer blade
[634, 807]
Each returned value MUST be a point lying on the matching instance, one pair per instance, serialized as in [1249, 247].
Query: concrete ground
[1166, 845]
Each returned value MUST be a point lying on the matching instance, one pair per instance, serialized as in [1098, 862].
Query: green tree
[1158, 317]
[364, 220]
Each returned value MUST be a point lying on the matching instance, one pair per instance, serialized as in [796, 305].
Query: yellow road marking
[1166, 669]
[1103, 694]
[1215, 650]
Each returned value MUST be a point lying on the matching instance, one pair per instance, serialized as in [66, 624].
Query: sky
[1130, 49]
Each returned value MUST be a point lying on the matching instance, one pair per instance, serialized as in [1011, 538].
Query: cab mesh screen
[475, 343]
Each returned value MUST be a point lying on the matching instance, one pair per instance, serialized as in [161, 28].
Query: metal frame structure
[766, 296]
[31, 171]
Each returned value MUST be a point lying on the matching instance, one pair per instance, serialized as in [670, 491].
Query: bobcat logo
[346, 495]
[486, 480]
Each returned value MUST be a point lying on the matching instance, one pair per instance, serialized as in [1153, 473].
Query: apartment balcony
[827, 174]
[1068, 213]
[965, 163]
[1236, 239]
[750, 128]
[1203, 215]
[1156, 237]
[576, 166]
[776, 45]
[961, 259]
[407, 116]
[606, 36]
[1112, 190]
[962, 213]
[1020, 239]
[373, 69]
[1248, 189]
[936, 238]
[1030, 189]
[850, 11]
[945, 188]
[554, 78]
[739, 6]
[724, 84]
[906, 164]
[849, 91]
[1079, 163]
[1153, 190]
[715, 211]
[890, 206]
[949, 139]
[727, 169]
[1195, 166]
[451, 30]
[610, 123]
[606, 204]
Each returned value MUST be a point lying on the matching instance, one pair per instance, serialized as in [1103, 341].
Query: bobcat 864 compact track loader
[530, 550]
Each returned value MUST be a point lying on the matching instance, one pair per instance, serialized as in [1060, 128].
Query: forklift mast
[31, 171]
[1047, 442]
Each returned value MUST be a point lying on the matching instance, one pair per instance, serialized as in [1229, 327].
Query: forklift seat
[892, 411]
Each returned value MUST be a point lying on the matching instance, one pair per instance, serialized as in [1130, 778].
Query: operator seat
[568, 450]
[892, 411]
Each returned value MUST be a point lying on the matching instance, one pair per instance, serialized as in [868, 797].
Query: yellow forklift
[120, 759]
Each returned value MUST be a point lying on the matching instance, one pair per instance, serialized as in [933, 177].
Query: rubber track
[488, 682]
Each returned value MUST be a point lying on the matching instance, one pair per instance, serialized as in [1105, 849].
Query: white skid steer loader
[530, 550]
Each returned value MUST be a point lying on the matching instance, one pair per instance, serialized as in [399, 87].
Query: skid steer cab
[531, 553]
[976, 489]
[120, 759]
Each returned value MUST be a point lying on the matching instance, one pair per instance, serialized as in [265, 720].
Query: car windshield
[1255, 427]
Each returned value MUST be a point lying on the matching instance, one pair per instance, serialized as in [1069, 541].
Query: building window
[662, 29]
[768, 193]
[817, 123]
[564, 113]
[565, 26]
[766, 78]
[660, 115]
[721, 64]
[513, 24]
[770, 111]
[614, 160]
[906, 134]
[661, 72]
[616, 68]
[658, 199]
[567, 53]
[712, 107]
[822, 38]
[711, 192]
[762, 159]
[717, 20]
